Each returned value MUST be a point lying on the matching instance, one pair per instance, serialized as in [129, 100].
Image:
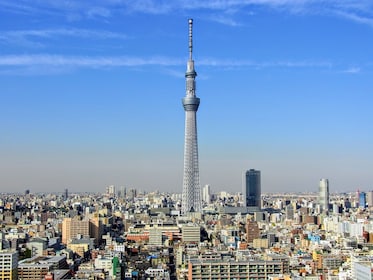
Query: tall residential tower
[191, 198]
[324, 194]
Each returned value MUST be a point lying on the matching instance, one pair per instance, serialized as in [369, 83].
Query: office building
[362, 200]
[324, 195]
[252, 188]
[191, 195]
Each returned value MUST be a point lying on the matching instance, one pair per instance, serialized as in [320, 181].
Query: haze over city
[91, 94]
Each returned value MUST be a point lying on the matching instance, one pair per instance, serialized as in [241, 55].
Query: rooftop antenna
[190, 38]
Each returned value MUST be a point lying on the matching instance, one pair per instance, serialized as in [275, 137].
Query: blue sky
[91, 93]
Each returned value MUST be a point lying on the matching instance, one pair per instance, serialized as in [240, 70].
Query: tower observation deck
[191, 197]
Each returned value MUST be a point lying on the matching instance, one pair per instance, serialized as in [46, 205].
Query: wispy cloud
[265, 64]
[12, 62]
[223, 19]
[98, 12]
[358, 11]
[31, 38]
[72, 32]
[356, 18]
[352, 70]
[79, 61]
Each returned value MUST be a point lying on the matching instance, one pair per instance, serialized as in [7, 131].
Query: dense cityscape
[124, 234]
[192, 233]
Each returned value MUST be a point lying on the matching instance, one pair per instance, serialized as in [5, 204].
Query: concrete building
[232, 269]
[369, 198]
[362, 268]
[323, 198]
[191, 233]
[77, 227]
[206, 194]
[155, 236]
[252, 231]
[38, 267]
[73, 227]
[37, 246]
[8, 265]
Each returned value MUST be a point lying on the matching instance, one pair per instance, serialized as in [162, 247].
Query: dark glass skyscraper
[252, 188]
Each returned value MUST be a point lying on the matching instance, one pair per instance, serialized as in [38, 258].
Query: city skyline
[90, 94]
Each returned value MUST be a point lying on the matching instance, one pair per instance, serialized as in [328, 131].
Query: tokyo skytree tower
[191, 198]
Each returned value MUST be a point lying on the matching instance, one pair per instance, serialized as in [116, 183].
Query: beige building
[8, 265]
[38, 267]
[226, 270]
[191, 233]
[77, 227]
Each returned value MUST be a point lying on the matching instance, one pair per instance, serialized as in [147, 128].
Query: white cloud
[265, 64]
[356, 18]
[31, 38]
[72, 32]
[361, 11]
[98, 12]
[47, 60]
[79, 61]
[352, 70]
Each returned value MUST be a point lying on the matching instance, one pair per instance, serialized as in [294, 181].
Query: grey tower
[191, 198]
[324, 194]
[252, 188]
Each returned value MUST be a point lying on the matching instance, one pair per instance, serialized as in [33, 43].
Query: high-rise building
[324, 194]
[72, 227]
[252, 188]
[85, 228]
[206, 194]
[362, 200]
[9, 265]
[191, 196]
[252, 231]
[110, 190]
[369, 197]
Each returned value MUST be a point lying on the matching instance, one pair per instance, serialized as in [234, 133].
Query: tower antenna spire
[190, 38]
[191, 197]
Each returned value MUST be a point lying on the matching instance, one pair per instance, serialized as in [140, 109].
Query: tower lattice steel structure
[191, 198]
